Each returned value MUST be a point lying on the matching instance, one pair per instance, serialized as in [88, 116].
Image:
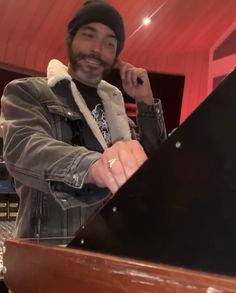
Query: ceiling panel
[32, 32]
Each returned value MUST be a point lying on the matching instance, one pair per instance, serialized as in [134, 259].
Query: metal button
[178, 145]
[76, 178]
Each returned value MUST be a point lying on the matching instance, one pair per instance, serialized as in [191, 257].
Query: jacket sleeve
[33, 156]
[151, 126]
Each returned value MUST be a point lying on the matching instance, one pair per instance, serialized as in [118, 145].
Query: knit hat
[102, 12]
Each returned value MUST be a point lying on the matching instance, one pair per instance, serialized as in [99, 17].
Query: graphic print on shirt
[99, 116]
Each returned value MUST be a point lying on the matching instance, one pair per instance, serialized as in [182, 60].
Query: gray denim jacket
[39, 115]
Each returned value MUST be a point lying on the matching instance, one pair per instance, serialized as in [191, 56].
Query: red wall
[190, 48]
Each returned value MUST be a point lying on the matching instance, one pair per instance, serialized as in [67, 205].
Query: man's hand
[129, 76]
[117, 164]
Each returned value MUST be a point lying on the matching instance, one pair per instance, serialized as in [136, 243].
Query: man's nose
[97, 46]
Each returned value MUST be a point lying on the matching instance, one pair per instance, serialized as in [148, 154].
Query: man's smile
[93, 62]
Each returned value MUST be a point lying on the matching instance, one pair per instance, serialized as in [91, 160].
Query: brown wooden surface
[43, 268]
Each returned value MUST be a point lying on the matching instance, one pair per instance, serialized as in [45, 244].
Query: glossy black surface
[180, 207]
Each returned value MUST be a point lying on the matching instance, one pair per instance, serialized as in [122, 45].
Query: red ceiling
[33, 32]
[179, 39]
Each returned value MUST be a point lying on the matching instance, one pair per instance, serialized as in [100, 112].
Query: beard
[90, 74]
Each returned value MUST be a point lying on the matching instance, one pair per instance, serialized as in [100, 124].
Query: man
[68, 142]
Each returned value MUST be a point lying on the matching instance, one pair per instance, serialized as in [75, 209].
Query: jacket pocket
[64, 111]
[60, 117]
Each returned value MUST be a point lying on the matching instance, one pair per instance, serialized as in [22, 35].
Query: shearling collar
[56, 72]
[112, 100]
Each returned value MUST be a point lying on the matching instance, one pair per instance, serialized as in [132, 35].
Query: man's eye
[88, 35]
[111, 44]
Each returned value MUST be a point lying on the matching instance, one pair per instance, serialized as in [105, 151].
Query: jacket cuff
[155, 110]
[88, 196]
[79, 169]
[72, 191]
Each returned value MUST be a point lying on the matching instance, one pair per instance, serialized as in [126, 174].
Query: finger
[123, 68]
[124, 71]
[128, 159]
[129, 163]
[132, 77]
[101, 175]
[138, 152]
[108, 177]
[117, 171]
[112, 184]
[115, 158]
[113, 163]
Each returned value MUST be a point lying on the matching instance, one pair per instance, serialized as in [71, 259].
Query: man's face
[92, 53]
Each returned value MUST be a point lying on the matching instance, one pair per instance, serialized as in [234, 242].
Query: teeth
[93, 61]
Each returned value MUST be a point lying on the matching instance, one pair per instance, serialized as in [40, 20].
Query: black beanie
[102, 12]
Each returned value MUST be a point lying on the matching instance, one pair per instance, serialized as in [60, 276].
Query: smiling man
[68, 142]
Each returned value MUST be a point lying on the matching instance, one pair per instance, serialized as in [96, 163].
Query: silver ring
[112, 162]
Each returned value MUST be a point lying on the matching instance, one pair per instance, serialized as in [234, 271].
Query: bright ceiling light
[146, 21]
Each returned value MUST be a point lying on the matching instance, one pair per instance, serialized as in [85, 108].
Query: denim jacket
[39, 117]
